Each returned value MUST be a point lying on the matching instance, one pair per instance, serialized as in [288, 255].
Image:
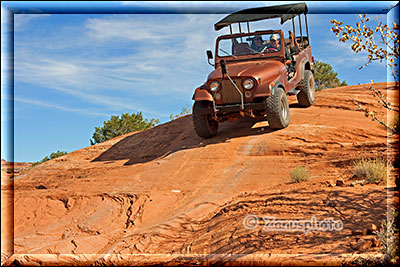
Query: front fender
[276, 85]
[303, 67]
[201, 94]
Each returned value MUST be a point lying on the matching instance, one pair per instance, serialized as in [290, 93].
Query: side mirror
[209, 56]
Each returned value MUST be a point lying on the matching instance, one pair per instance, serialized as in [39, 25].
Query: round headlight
[248, 84]
[214, 86]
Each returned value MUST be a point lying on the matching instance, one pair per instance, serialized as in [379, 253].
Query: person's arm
[288, 55]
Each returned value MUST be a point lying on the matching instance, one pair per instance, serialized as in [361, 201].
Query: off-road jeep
[252, 76]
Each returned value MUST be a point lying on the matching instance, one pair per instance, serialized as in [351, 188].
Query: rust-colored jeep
[254, 71]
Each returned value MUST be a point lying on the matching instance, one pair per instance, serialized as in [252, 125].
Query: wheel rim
[283, 108]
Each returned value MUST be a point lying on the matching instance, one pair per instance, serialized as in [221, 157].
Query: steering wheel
[269, 49]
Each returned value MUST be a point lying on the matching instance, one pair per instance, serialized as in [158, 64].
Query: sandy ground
[166, 196]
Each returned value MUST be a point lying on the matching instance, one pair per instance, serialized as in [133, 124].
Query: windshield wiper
[261, 54]
[227, 53]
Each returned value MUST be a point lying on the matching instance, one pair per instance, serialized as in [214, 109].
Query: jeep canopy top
[285, 12]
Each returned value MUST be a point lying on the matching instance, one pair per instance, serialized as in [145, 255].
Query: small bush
[299, 174]
[51, 156]
[117, 126]
[389, 236]
[375, 260]
[184, 111]
[371, 170]
[325, 76]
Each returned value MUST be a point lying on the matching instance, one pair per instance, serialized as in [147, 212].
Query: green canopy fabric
[285, 12]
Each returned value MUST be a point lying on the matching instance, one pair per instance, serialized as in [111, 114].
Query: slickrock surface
[165, 195]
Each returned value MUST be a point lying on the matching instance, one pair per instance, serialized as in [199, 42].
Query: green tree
[325, 77]
[117, 126]
[51, 156]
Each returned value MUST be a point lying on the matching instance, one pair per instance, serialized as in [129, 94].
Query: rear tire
[307, 93]
[278, 109]
[204, 125]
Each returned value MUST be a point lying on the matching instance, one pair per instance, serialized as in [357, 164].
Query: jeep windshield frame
[229, 56]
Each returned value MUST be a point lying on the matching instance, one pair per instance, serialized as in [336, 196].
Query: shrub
[51, 156]
[184, 111]
[299, 174]
[372, 170]
[117, 126]
[325, 76]
[389, 236]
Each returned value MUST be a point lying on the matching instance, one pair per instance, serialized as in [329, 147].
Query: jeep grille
[229, 93]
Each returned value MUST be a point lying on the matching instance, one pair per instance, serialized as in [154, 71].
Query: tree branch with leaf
[384, 47]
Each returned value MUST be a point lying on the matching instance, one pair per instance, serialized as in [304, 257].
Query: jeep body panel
[202, 94]
[304, 61]
[256, 71]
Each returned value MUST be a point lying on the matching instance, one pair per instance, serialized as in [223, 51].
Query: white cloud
[90, 82]
[60, 107]
[105, 29]
[22, 20]
[46, 71]
[152, 66]
[341, 53]
[108, 102]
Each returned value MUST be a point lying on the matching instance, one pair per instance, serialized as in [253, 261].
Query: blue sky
[73, 71]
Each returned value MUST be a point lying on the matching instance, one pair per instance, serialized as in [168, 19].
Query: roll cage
[284, 12]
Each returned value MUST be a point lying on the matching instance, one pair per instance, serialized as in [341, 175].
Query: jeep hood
[264, 70]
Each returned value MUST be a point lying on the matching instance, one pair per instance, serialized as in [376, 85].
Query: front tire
[307, 93]
[278, 109]
[204, 125]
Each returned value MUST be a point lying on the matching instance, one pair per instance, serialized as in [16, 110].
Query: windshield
[249, 45]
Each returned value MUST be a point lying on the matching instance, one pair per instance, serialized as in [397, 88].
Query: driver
[274, 44]
[258, 43]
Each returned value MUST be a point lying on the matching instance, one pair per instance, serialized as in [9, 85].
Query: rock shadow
[174, 136]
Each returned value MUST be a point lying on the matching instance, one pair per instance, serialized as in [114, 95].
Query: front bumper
[233, 108]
